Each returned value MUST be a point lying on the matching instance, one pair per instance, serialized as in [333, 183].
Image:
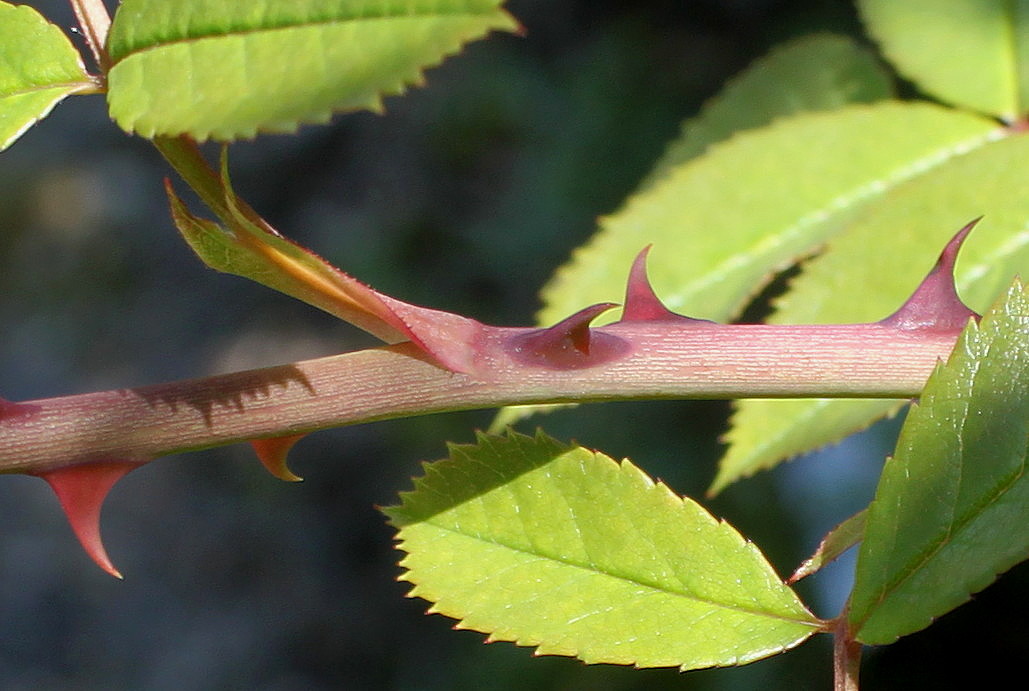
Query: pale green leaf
[226, 69]
[835, 543]
[765, 432]
[866, 273]
[566, 550]
[973, 53]
[819, 72]
[724, 223]
[39, 67]
[950, 510]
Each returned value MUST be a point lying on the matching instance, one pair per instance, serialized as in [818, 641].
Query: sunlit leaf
[867, 271]
[226, 69]
[819, 72]
[973, 53]
[565, 550]
[39, 67]
[950, 510]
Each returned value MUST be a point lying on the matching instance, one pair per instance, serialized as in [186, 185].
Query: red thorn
[573, 331]
[641, 303]
[81, 489]
[935, 304]
[576, 328]
[272, 453]
[570, 343]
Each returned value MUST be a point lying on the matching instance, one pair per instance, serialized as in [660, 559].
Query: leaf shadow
[471, 471]
[229, 391]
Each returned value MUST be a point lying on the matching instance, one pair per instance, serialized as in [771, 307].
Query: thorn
[935, 304]
[81, 489]
[576, 328]
[272, 453]
[570, 343]
[641, 303]
[570, 333]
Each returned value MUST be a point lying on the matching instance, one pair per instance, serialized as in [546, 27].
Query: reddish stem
[846, 657]
[718, 361]
[95, 23]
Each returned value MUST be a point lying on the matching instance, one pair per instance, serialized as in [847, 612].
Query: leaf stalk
[95, 23]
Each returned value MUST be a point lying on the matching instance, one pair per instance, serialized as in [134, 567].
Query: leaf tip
[803, 571]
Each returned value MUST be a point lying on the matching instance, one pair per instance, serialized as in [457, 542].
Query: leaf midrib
[1011, 40]
[828, 212]
[813, 623]
[69, 87]
[235, 32]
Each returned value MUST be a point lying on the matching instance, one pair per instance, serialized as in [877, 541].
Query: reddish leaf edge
[837, 541]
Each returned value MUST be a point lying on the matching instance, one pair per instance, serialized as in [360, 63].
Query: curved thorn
[935, 304]
[573, 331]
[641, 302]
[81, 490]
[272, 453]
[569, 344]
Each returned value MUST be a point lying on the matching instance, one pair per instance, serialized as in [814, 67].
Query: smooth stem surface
[94, 22]
[860, 360]
[846, 658]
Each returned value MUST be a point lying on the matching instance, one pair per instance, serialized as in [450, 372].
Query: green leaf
[226, 69]
[39, 67]
[564, 549]
[871, 267]
[819, 72]
[950, 510]
[763, 433]
[833, 545]
[973, 53]
[724, 223]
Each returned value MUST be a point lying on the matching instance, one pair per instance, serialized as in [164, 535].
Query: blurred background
[465, 195]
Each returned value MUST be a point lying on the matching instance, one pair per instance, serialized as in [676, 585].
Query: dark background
[464, 196]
